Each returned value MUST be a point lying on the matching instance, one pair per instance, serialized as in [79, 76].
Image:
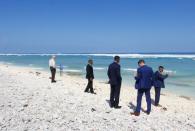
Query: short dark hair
[141, 61]
[160, 67]
[90, 60]
[117, 58]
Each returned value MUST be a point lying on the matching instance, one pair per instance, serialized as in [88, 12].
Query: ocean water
[181, 67]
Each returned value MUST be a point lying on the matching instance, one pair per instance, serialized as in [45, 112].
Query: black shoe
[135, 114]
[111, 106]
[93, 93]
[117, 107]
[53, 81]
[157, 105]
[147, 112]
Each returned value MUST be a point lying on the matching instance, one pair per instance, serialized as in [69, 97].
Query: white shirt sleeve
[52, 63]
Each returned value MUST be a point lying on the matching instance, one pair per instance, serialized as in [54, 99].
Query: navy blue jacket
[89, 72]
[144, 78]
[159, 80]
[114, 74]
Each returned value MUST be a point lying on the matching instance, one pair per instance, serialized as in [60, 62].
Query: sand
[28, 101]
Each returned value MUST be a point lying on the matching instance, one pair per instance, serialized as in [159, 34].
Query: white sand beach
[28, 101]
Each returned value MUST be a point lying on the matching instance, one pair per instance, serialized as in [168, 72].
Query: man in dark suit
[159, 83]
[90, 76]
[115, 80]
[144, 82]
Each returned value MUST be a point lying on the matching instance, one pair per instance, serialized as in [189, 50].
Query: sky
[97, 26]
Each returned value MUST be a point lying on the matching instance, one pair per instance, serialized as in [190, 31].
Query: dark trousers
[140, 93]
[157, 95]
[89, 86]
[53, 73]
[114, 95]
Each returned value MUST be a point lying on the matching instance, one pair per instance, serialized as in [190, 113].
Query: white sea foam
[180, 56]
[130, 69]
[37, 68]
[6, 63]
[30, 64]
[170, 72]
[99, 68]
[148, 55]
[62, 66]
[73, 70]
[133, 70]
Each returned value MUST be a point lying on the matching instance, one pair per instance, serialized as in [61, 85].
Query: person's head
[117, 59]
[53, 57]
[90, 61]
[141, 62]
[161, 69]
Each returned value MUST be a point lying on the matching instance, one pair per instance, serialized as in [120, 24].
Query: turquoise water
[181, 67]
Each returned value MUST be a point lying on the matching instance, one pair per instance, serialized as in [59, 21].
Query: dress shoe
[157, 105]
[117, 107]
[135, 114]
[111, 106]
[148, 113]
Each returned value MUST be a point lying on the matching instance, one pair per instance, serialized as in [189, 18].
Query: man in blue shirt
[144, 82]
[115, 80]
[159, 83]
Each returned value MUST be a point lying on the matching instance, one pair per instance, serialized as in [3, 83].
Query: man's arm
[138, 77]
[162, 77]
[88, 72]
[108, 72]
[92, 73]
[118, 72]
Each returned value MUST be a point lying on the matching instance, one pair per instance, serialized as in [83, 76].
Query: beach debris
[38, 73]
[71, 121]
[25, 105]
[2, 106]
[105, 119]
[185, 97]
[84, 122]
[92, 109]
[164, 109]
[108, 112]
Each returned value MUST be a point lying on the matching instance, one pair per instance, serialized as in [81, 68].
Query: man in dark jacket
[144, 82]
[159, 83]
[115, 80]
[90, 76]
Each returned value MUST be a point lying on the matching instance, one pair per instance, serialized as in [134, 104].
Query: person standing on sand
[61, 69]
[90, 76]
[52, 66]
[115, 81]
[159, 83]
[144, 82]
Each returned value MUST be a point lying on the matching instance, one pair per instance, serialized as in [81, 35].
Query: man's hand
[91, 79]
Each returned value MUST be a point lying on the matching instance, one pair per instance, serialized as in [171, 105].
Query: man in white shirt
[52, 65]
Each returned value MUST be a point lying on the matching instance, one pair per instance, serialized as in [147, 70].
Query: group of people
[144, 80]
